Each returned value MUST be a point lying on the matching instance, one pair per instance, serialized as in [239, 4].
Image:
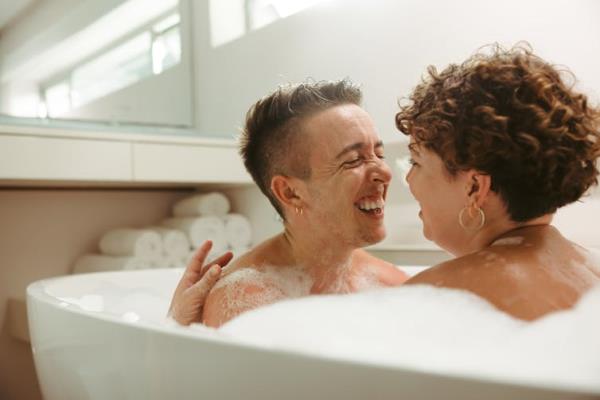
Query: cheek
[348, 186]
[418, 184]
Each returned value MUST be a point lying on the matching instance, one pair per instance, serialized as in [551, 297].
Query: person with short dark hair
[314, 152]
[498, 144]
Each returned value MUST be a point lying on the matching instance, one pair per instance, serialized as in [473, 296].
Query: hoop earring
[461, 222]
[299, 210]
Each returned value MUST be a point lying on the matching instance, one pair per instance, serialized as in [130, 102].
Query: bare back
[528, 274]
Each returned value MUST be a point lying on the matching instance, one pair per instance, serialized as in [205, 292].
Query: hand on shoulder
[198, 278]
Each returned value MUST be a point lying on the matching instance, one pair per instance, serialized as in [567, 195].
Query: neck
[499, 229]
[320, 257]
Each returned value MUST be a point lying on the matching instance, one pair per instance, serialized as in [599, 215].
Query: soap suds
[434, 329]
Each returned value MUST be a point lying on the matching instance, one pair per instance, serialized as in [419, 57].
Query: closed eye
[353, 163]
[412, 162]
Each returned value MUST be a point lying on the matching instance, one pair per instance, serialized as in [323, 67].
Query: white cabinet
[191, 163]
[44, 158]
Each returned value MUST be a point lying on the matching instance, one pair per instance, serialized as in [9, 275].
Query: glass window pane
[227, 21]
[264, 12]
[120, 67]
[166, 50]
[166, 23]
[57, 99]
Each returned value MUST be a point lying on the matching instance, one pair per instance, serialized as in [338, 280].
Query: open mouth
[372, 206]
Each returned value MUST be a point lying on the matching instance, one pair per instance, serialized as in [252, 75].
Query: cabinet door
[188, 164]
[61, 159]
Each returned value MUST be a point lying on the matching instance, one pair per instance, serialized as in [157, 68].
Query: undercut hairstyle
[272, 141]
[515, 117]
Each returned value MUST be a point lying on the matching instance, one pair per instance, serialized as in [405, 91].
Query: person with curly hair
[498, 144]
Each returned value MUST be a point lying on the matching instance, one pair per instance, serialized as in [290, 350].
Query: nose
[408, 175]
[381, 172]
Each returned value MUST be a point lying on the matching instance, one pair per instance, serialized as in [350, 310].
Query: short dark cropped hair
[272, 142]
[513, 116]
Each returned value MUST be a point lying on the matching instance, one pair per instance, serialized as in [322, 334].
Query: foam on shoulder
[250, 288]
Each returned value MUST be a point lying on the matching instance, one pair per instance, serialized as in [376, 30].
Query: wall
[42, 233]
[383, 44]
[386, 45]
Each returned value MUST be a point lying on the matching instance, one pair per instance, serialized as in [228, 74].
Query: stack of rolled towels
[207, 216]
[174, 241]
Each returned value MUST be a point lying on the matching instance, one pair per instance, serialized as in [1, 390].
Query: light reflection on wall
[232, 19]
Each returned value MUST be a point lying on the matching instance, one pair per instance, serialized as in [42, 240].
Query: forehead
[331, 130]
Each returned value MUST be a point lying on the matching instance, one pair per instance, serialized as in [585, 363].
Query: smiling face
[440, 197]
[345, 195]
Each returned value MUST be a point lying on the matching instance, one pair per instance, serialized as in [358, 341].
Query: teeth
[371, 205]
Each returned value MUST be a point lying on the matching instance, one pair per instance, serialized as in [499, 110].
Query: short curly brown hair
[272, 142]
[511, 115]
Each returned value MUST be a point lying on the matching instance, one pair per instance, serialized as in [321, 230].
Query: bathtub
[104, 336]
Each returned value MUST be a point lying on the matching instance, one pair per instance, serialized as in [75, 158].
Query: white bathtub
[103, 336]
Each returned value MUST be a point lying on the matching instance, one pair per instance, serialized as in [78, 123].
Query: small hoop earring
[299, 210]
[461, 222]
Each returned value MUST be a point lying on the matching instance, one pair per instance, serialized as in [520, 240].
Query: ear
[285, 190]
[479, 187]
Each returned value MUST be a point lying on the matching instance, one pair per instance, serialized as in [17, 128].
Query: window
[232, 19]
[151, 52]
[264, 12]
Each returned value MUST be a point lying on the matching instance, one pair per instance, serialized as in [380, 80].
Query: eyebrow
[356, 146]
[413, 148]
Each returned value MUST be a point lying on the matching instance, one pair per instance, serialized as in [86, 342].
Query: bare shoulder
[244, 285]
[466, 270]
[387, 273]
[241, 290]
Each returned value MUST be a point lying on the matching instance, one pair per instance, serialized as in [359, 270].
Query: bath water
[434, 329]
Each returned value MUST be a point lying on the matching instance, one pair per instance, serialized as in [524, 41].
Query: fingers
[203, 287]
[196, 263]
[222, 261]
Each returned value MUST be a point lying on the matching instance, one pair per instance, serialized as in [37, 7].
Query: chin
[373, 237]
[427, 234]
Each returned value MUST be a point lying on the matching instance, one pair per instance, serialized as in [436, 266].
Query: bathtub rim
[35, 292]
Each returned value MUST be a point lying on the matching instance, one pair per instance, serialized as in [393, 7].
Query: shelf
[52, 156]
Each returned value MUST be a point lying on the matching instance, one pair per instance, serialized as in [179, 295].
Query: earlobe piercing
[465, 226]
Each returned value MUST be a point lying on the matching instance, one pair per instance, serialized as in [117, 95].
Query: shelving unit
[38, 155]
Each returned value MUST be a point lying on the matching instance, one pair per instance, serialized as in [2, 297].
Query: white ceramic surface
[104, 336]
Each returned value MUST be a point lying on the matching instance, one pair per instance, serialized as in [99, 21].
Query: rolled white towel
[101, 263]
[237, 230]
[167, 262]
[175, 242]
[200, 229]
[210, 257]
[140, 243]
[214, 203]
[176, 263]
